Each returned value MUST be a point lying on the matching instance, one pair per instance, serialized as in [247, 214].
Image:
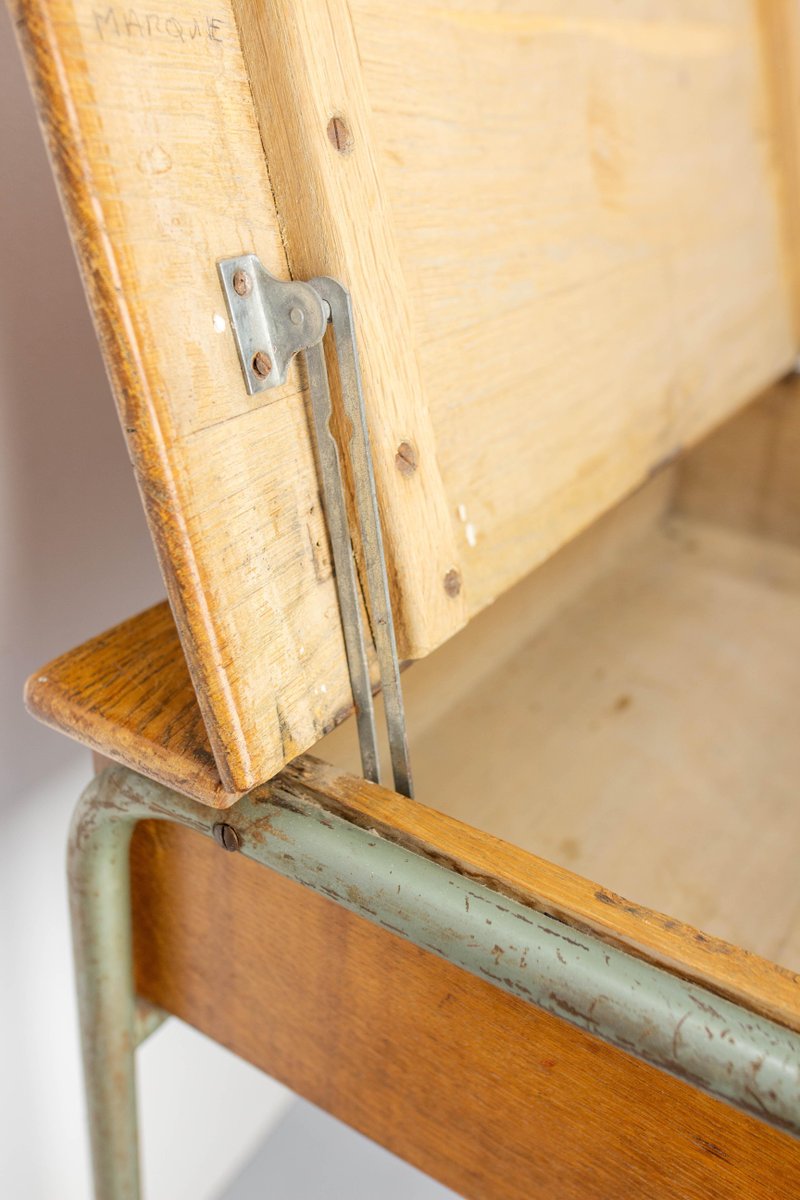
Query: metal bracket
[273, 320]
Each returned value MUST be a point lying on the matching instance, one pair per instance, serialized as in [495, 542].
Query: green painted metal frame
[668, 1021]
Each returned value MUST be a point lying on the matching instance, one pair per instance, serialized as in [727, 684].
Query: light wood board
[566, 236]
[589, 205]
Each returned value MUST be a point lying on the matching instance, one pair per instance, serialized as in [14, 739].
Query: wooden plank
[495, 1098]
[127, 694]
[588, 220]
[150, 124]
[304, 70]
[592, 280]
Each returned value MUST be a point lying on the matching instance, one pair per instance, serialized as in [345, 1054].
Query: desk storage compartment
[630, 710]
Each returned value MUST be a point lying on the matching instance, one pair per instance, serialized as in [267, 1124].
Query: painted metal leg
[99, 879]
[290, 827]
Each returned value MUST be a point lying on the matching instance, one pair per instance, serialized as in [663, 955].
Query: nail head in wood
[406, 459]
[339, 135]
[452, 583]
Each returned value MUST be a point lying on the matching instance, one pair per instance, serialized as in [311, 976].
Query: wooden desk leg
[645, 1010]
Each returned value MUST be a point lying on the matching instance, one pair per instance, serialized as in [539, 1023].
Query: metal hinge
[273, 320]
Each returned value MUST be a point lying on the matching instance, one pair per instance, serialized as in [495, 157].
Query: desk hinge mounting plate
[272, 320]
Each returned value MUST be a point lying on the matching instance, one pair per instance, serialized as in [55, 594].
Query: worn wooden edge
[125, 365]
[127, 695]
[728, 970]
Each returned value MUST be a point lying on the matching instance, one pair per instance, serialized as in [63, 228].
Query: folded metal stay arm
[273, 320]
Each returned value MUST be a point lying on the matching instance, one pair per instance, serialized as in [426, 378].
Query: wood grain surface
[493, 1097]
[149, 119]
[629, 713]
[589, 209]
[567, 237]
[127, 694]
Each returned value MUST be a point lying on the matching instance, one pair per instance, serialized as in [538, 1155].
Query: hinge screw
[262, 364]
[226, 836]
[242, 283]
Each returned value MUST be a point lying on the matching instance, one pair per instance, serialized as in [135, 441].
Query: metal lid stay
[272, 320]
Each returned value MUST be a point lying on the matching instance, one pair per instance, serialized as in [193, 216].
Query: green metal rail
[671, 1023]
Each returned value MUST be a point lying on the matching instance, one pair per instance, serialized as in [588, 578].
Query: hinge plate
[272, 320]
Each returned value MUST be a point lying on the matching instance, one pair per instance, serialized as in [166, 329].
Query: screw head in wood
[262, 364]
[406, 459]
[452, 583]
[339, 135]
[242, 283]
[226, 836]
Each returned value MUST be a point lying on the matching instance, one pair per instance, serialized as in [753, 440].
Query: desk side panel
[491, 1096]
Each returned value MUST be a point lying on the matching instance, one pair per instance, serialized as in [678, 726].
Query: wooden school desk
[570, 239]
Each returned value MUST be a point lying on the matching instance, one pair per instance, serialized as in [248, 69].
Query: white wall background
[75, 557]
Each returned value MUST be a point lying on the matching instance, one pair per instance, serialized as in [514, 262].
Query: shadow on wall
[75, 555]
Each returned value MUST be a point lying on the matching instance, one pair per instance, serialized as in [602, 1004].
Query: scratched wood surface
[147, 723]
[568, 235]
[629, 707]
[152, 133]
[589, 205]
[127, 692]
[491, 1096]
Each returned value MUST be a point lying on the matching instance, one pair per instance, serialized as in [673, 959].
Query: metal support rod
[670, 1022]
[338, 299]
[273, 320]
[333, 500]
[99, 878]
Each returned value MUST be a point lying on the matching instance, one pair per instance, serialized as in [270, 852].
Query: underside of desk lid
[566, 230]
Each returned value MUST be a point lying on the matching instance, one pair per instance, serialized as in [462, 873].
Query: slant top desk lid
[569, 231]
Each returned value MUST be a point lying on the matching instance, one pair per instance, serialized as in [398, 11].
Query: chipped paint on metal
[668, 1021]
